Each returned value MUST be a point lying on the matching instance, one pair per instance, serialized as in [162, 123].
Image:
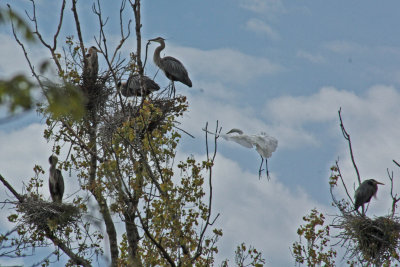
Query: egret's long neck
[156, 57]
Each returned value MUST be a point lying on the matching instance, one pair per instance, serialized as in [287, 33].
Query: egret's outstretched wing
[263, 143]
[243, 140]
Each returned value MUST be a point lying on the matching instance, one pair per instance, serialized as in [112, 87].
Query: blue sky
[283, 67]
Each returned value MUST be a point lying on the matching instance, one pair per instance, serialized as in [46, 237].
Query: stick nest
[371, 240]
[40, 213]
[162, 108]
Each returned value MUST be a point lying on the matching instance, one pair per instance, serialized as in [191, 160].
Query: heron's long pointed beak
[380, 183]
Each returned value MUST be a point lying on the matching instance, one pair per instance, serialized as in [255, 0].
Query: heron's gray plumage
[56, 181]
[132, 86]
[172, 68]
[92, 63]
[365, 192]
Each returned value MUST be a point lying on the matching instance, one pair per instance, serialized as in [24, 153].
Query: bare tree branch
[347, 137]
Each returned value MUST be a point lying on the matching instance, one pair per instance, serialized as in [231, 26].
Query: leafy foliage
[317, 250]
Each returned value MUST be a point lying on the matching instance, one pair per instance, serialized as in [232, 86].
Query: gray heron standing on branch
[365, 192]
[172, 68]
[132, 86]
[56, 181]
[92, 67]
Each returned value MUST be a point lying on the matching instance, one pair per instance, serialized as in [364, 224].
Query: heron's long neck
[156, 57]
[52, 169]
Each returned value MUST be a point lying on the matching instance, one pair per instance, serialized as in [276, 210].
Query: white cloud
[314, 58]
[20, 151]
[268, 7]
[372, 121]
[343, 47]
[260, 27]
[207, 108]
[12, 57]
[224, 64]
[262, 213]
[319, 107]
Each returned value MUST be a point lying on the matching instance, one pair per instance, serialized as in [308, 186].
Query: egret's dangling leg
[260, 169]
[267, 170]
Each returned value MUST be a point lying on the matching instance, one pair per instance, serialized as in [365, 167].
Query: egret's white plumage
[263, 143]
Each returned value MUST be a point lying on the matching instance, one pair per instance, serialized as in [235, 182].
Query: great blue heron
[56, 181]
[92, 63]
[365, 192]
[132, 86]
[172, 68]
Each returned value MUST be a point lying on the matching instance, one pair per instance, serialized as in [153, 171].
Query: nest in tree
[370, 240]
[161, 109]
[42, 214]
[96, 95]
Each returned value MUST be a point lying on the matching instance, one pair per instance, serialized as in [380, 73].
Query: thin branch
[78, 28]
[343, 183]
[52, 49]
[347, 137]
[12, 190]
[395, 199]
[155, 242]
[74, 257]
[211, 162]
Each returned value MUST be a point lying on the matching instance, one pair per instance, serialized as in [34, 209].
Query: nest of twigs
[42, 213]
[161, 109]
[374, 240]
[96, 95]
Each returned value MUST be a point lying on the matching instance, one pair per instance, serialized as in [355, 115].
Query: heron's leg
[367, 207]
[173, 87]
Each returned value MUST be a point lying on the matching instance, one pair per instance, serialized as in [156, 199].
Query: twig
[347, 137]
[12, 190]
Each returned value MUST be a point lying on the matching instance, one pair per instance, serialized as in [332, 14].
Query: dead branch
[210, 161]
[347, 137]
[12, 190]
[53, 48]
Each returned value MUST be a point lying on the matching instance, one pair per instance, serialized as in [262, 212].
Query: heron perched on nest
[365, 192]
[56, 181]
[172, 68]
[92, 67]
[132, 86]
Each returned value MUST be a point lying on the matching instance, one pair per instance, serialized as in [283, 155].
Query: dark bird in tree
[92, 67]
[365, 192]
[56, 181]
[132, 86]
[172, 68]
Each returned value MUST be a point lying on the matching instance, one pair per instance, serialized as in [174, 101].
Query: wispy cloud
[314, 58]
[264, 209]
[267, 7]
[260, 27]
[225, 64]
[343, 47]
